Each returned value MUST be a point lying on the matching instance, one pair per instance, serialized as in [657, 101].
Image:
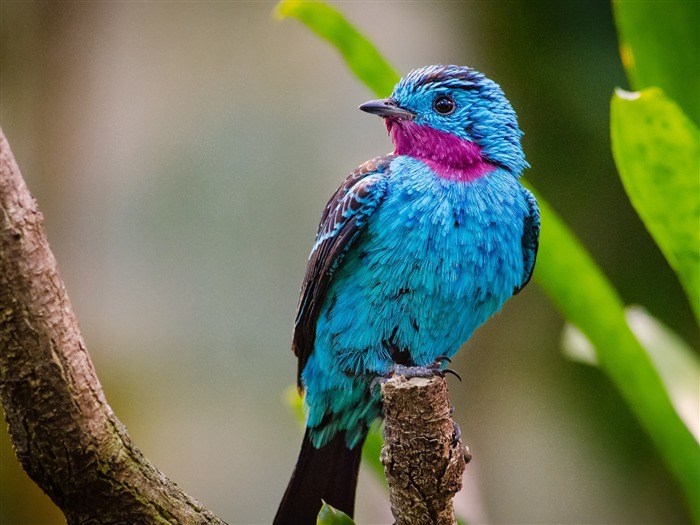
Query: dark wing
[531, 236]
[342, 221]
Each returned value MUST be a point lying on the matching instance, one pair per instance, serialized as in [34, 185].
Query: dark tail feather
[328, 473]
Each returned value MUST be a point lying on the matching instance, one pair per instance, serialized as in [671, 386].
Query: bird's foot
[436, 368]
[431, 370]
[408, 372]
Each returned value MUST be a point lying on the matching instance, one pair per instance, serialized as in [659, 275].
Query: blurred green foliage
[566, 272]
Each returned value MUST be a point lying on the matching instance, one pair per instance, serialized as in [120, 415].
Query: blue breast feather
[430, 261]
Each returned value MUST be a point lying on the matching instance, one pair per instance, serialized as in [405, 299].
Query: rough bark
[64, 433]
[423, 455]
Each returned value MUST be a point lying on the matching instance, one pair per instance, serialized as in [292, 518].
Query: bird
[414, 251]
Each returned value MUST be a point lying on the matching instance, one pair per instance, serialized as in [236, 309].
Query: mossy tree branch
[63, 430]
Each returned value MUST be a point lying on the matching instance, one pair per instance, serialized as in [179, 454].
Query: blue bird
[414, 251]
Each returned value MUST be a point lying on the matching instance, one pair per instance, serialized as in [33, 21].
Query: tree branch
[64, 433]
[423, 454]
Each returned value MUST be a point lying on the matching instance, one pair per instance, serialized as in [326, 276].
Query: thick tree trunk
[64, 433]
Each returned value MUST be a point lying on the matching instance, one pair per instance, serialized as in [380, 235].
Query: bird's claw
[437, 366]
[450, 371]
[441, 359]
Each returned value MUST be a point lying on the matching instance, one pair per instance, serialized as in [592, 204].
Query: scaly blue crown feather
[414, 251]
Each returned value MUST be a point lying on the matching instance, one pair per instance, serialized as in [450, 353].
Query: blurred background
[182, 152]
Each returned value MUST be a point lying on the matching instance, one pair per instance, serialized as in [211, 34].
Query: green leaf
[330, 516]
[359, 53]
[659, 46]
[657, 152]
[575, 283]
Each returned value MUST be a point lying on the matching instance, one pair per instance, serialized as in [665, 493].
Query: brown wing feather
[341, 222]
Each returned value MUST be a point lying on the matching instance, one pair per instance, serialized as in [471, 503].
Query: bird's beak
[387, 108]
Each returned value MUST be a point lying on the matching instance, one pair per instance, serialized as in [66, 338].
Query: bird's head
[453, 118]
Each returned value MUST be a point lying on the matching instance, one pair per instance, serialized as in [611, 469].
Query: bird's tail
[328, 473]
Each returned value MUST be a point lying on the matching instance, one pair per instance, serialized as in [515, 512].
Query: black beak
[387, 108]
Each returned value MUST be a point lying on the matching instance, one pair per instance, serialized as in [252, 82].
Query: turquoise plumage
[414, 251]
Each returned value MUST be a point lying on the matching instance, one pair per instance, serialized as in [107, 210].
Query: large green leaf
[660, 46]
[657, 152]
[572, 280]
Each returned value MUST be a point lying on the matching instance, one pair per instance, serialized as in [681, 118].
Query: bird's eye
[444, 105]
